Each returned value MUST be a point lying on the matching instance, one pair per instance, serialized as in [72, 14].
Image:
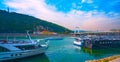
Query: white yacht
[13, 49]
[78, 41]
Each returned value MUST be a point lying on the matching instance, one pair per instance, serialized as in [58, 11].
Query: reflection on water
[37, 58]
[97, 52]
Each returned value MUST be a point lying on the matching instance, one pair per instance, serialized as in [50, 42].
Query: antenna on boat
[29, 36]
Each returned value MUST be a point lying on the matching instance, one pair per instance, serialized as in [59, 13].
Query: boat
[102, 42]
[14, 49]
[78, 41]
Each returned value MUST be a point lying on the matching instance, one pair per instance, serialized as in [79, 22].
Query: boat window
[26, 47]
[2, 49]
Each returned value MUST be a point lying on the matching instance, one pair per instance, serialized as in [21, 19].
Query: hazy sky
[85, 14]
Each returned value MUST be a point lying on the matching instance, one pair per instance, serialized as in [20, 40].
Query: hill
[11, 22]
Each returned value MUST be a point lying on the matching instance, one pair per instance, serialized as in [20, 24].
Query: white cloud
[86, 1]
[92, 20]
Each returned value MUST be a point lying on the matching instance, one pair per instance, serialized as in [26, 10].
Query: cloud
[91, 20]
[86, 1]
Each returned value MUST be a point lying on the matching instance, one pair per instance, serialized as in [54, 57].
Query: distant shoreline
[23, 35]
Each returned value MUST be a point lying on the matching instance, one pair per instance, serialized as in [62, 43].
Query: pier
[100, 40]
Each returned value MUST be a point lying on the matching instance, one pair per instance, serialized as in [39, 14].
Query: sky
[92, 15]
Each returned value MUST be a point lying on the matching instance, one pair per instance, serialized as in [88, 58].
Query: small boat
[14, 49]
[78, 41]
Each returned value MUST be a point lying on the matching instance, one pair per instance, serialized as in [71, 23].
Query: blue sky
[92, 15]
[85, 5]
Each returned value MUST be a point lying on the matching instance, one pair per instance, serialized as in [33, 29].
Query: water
[65, 51]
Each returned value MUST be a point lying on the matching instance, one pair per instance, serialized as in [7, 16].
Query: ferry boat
[102, 42]
[78, 41]
[13, 49]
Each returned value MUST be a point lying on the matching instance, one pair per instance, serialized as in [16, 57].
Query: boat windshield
[41, 41]
[2, 49]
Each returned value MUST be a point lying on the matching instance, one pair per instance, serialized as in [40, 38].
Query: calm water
[65, 51]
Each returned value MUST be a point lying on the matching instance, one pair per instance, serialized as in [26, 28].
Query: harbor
[60, 50]
[59, 31]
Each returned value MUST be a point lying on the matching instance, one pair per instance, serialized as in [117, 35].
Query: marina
[59, 31]
[60, 50]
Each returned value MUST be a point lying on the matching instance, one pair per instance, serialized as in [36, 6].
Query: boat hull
[77, 43]
[21, 54]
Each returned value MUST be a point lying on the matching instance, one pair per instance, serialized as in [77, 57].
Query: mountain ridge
[11, 22]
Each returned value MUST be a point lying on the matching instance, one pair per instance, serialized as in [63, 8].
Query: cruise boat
[78, 41]
[13, 49]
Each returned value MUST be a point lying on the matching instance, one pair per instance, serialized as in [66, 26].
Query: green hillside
[11, 22]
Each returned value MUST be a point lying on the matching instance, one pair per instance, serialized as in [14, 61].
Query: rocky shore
[115, 58]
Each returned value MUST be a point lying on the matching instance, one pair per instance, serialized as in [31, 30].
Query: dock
[100, 40]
